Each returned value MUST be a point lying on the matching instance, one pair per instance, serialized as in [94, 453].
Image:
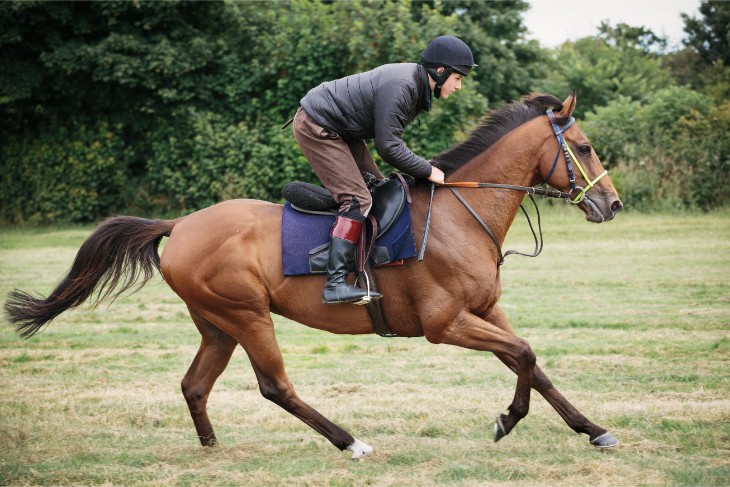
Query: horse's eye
[584, 149]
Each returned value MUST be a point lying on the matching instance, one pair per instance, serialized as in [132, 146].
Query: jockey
[337, 117]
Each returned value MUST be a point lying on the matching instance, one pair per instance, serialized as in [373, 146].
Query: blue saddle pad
[305, 237]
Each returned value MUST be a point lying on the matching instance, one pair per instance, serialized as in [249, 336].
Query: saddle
[309, 214]
[308, 217]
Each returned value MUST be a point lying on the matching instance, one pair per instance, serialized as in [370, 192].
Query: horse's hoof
[606, 440]
[360, 449]
[499, 431]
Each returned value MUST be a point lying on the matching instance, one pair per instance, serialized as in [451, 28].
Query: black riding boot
[345, 234]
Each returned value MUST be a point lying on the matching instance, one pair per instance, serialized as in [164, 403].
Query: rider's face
[452, 84]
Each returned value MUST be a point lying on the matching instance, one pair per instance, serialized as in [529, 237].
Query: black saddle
[389, 199]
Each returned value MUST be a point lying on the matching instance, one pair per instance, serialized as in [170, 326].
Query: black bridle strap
[538, 246]
[500, 261]
[427, 225]
[476, 216]
[528, 189]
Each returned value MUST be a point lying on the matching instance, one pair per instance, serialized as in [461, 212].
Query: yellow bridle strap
[583, 173]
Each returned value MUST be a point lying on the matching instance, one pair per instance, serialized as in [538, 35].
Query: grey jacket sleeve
[392, 104]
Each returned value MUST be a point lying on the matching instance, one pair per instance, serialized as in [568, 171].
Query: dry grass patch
[631, 320]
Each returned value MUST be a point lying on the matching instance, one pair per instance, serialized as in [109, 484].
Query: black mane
[494, 126]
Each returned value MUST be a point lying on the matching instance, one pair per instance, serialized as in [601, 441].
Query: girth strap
[374, 307]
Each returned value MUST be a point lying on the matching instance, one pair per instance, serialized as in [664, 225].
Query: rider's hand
[437, 175]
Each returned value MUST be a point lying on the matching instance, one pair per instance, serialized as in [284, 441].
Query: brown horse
[225, 262]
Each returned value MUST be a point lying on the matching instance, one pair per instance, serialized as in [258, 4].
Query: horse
[225, 263]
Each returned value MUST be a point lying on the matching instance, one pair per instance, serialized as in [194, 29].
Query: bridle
[531, 191]
[568, 154]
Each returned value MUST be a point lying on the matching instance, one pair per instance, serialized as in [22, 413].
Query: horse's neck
[512, 160]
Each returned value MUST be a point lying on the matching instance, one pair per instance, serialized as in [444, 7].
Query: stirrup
[345, 294]
[371, 295]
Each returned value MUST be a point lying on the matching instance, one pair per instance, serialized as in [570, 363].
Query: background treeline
[162, 108]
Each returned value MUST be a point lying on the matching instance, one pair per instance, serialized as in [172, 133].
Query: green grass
[630, 319]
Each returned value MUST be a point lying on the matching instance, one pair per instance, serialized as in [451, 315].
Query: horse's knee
[277, 393]
[525, 356]
[196, 400]
[526, 360]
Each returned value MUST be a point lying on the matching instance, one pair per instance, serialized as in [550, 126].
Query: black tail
[120, 252]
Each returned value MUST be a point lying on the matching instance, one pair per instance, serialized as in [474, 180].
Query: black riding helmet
[448, 52]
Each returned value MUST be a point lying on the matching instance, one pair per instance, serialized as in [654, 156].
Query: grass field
[630, 319]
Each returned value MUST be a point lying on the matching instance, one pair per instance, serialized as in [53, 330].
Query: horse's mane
[493, 126]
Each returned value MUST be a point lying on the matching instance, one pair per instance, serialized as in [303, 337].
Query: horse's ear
[568, 106]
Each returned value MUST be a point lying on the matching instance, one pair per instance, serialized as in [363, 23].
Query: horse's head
[570, 164]
[565, 158]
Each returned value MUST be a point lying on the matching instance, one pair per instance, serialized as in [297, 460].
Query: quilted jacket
[377, 105]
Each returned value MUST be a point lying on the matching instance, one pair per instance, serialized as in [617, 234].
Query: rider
[336, 118]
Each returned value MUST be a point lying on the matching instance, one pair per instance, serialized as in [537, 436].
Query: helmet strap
[440, 79]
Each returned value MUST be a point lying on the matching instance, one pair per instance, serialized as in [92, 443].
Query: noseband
[568, 154]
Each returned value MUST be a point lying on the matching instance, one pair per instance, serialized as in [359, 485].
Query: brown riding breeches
[336, 163]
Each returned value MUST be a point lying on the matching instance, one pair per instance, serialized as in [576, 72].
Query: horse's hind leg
[268, 365]
[598, 436]
[215, 351]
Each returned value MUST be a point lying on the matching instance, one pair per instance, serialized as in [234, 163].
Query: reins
[531, 191]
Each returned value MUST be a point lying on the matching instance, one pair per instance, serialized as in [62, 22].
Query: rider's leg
[343, 240]
[364, 159]
[334, 163]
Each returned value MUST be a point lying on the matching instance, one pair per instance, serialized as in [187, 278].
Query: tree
[704, 64]
[710, 36]
[617, 62]
[186, 99]
[124, 60]
[668, 152]
[624, 36]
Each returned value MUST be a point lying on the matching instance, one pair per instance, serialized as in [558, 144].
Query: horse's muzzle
[601, 208]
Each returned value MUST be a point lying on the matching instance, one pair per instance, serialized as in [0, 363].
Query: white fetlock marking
[360, 449]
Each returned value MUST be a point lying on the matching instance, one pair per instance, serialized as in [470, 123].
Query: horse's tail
[122, 251]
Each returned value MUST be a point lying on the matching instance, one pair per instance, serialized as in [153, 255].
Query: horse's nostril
[616, 206]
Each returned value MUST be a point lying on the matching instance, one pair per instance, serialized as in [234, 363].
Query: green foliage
[688, 69]
[67, 176]
[186, 98]
[670, 152]
[204, 159]
[709, 36]
[509, 65]
[705, 63]
[196, 91]
[193, 161]
[448, 119]
[601, 69]
[129, 60]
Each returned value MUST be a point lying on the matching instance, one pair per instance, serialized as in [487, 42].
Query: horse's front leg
[597, 435]
[470, 331]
